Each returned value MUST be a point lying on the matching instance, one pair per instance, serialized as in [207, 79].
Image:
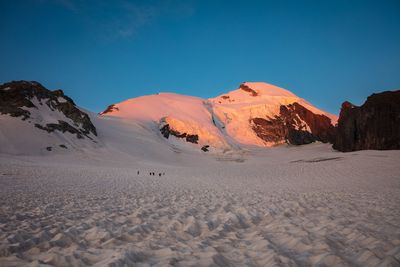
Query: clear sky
[102, 52]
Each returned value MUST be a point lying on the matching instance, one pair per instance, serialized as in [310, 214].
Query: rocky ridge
[373, 125]
[24, 99]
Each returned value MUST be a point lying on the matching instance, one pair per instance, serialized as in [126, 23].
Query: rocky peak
[346, 106]
[25, 99]
[109, 109]
[373, 125]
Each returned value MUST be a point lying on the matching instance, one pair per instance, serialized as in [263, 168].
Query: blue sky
[102, 52]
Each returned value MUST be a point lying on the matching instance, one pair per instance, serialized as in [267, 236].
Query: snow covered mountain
[36, 120]
[257, 114]
[266, 115]
[175, 117]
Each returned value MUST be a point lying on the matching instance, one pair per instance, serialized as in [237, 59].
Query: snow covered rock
[167, 130]
[33, 116]
[374, 125]
[20, 98]
[266, 115]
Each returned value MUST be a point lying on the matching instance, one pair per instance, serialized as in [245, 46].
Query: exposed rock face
[295, 125]
[166, 131]
[61, 126]
[374, 125]
[19, 98]
[246, 88]
[109, 109]
[205, 148]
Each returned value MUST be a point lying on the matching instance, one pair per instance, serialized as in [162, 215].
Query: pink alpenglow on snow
[223, 122]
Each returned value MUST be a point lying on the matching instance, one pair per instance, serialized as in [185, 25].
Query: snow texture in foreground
[287, 206]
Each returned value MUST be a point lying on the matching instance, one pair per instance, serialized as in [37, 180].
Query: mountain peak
[256, 92]
[261, 88]
[227, 120]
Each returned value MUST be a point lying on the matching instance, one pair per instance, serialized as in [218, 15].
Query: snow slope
[22, 137]
[185, 114]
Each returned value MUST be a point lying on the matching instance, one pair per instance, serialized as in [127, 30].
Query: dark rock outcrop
[374, 125]
[109, 109]
[166, 131]
[16, 96]
[295, 125]
[246, 88]
[61, 126]
[270, 130]
[205, 148]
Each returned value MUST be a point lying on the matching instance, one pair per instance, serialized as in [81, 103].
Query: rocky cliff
[374, 125]
[47, 110]
[295, 125]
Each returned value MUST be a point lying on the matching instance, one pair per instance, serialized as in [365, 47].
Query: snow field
[312, 206]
